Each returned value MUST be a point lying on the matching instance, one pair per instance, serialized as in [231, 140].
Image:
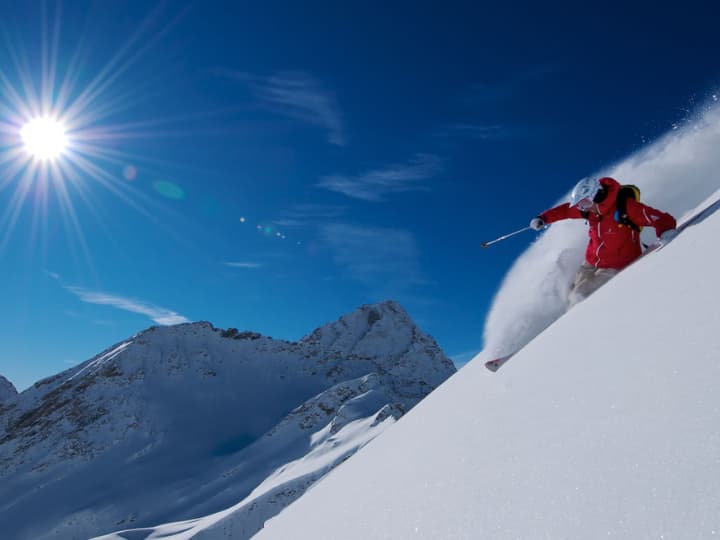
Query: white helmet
[584, 192]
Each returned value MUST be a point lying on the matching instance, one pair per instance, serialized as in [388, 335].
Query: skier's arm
[564, 211]
[647, 216]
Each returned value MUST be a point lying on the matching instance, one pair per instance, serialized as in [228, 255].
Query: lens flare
[44, 138]
[130, 173]
[169, 190]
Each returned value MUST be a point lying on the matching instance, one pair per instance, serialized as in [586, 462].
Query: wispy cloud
[309, 214]
[488, 98]
[491, 92]
[243, 264]
[397, 178]
[478, 131]
[159, 315]
[375, 256]
[298, 95]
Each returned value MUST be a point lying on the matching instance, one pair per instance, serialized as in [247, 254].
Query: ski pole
[486, 244]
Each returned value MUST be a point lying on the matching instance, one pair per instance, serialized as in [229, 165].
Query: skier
[614, 232]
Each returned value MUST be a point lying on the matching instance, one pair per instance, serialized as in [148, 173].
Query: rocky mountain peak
[386, 319]
[7, 390]
[385, 336]
[388, 312]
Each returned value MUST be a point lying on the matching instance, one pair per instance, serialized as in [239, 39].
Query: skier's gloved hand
[537, 223]
[668, 235]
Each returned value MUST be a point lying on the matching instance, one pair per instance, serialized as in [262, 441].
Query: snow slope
[606, 425]
[188, 421]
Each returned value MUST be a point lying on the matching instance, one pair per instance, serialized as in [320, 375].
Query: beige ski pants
[587, 281]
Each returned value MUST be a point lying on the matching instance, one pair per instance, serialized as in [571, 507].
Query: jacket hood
[612, 186]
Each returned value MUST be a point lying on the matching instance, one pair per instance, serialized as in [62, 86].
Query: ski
[692, 220]
[494, 365]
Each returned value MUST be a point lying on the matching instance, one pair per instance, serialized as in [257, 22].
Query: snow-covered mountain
[181, 422]
[605, 425]
[7, 390]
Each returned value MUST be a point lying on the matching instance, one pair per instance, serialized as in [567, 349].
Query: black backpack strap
[621, 216]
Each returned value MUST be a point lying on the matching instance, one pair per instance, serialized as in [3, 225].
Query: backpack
[627, 191]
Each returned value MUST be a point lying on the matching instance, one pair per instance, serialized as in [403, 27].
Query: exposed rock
[7, 390]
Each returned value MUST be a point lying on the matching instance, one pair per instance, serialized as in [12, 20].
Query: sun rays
[58, 144]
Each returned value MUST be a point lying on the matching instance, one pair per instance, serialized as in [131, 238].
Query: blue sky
[270, 167]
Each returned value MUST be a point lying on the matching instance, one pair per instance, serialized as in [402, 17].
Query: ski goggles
[584, 204]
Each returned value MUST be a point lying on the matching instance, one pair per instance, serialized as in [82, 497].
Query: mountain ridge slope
[191, 404]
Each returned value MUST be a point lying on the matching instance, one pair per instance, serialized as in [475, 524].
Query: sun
[44, 138]
[65, 119]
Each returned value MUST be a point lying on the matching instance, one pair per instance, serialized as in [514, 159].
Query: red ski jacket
[612, 244]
